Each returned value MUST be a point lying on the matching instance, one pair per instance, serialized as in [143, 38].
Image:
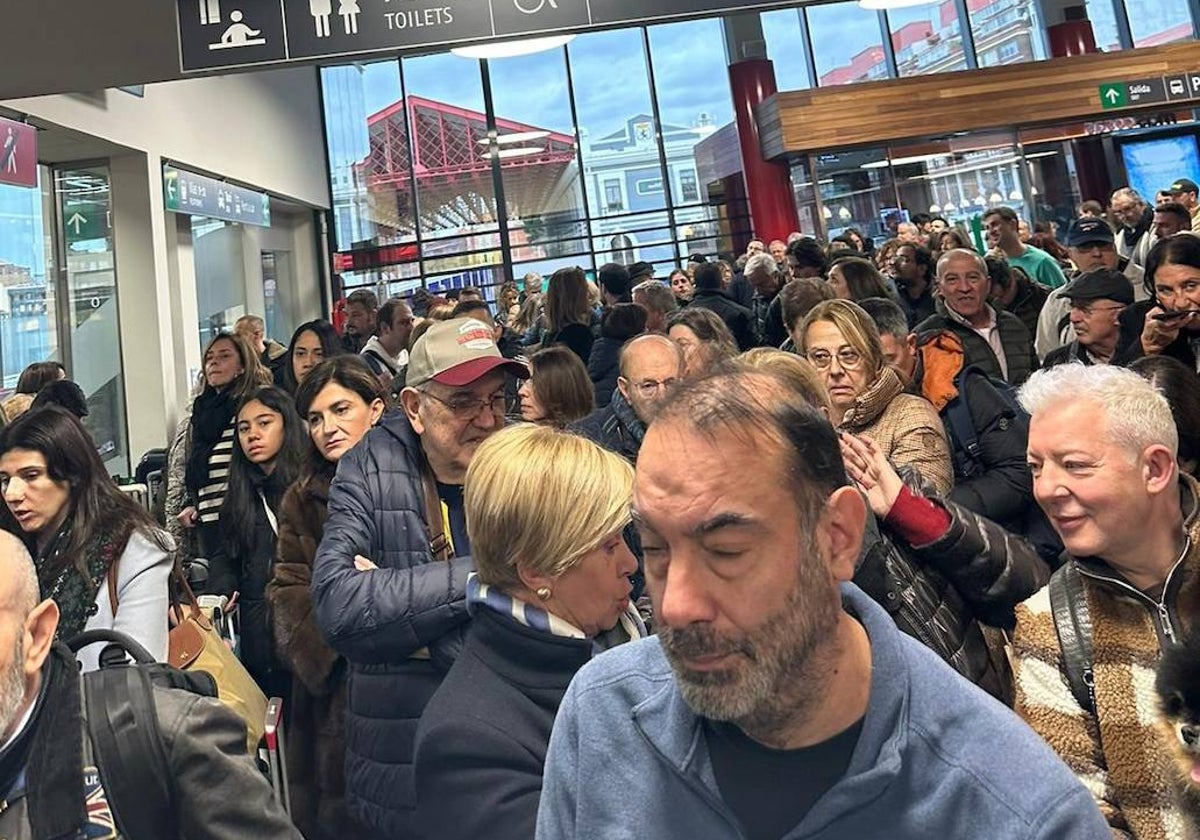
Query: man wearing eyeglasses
[1091, 246]
[390, 575]
[1096, 299]
[651, 365]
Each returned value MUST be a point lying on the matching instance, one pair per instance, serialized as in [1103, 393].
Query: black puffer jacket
[604, 366]
[399, 626]
[943, 593]
[1014, 338]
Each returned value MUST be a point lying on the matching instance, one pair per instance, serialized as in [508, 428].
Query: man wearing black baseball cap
[1096, 300]
[1185, 191]
[1091, 246]
[389, 579]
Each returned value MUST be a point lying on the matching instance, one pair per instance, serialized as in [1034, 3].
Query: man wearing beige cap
[390, 574]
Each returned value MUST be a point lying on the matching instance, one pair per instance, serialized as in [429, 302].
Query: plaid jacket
[1117, 752]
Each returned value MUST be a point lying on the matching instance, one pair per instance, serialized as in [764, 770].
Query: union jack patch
[100, 822]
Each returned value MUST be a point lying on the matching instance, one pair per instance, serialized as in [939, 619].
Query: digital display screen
[1152, 165]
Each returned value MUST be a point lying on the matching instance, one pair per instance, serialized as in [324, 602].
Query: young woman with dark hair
[312, 343]
[98, 553]
[266, 460]
[198, 463]
[38, 374]
[339, 401]
[568, 312]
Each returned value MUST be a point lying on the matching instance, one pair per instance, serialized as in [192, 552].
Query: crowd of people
[855, 539]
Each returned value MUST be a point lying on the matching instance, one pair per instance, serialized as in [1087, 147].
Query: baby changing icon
[238, 34]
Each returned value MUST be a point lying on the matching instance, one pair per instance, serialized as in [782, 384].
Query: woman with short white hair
[545, 511]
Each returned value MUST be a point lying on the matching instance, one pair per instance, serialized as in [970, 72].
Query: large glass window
[927, 39]
[95, 338]
[1006, 31]
[1155, 22]
[1103, 18]
[539, 163]
[846, 44]
[27, 309]
[785, 46]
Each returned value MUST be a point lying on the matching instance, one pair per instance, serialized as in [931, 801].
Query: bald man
[48, 767]
[651, 365]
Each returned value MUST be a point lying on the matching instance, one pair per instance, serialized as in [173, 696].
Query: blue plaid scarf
[481, 596]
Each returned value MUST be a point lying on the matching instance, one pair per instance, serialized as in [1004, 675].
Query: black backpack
[123, 724]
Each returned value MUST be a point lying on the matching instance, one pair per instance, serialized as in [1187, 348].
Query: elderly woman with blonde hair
[867, 395]
[545, 512]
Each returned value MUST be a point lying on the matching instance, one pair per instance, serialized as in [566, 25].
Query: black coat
[942, 593]
[481, 745]
[577, 337]
[738, 318]
[1016, 340]
[399, 626]
[1133, 321]
[604, 366]
[615, 427]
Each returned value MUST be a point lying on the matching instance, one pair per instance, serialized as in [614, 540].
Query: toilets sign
[216, 34]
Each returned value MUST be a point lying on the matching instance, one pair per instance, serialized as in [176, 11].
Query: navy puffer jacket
[399, 625]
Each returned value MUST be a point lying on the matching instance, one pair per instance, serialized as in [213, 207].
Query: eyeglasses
[650, 387]
[1088, 309]
[466, 407]
[848, 359]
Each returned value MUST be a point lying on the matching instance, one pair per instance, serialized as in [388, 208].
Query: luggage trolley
[275, 753]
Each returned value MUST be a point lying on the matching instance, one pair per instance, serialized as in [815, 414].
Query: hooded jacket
[399, 625]
[935, 758]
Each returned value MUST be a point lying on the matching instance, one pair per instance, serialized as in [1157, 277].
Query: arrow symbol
[171, 190]
[1111, 95]
[77, 221]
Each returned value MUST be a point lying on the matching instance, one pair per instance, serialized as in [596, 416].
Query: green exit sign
[1113, 95]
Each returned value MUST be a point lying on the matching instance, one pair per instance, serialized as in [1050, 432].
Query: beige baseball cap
[456, 353]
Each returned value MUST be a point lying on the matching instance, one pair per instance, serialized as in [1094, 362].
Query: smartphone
[1172, 314]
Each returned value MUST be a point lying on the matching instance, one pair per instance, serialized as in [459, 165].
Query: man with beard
[49, 782]
[913, 271]
[778, 699]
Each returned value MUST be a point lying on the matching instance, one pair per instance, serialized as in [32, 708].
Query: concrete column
[143, 299]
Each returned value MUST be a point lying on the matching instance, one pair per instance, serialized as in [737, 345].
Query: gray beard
[781, 671]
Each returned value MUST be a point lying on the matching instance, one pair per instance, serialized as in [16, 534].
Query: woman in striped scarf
[545, 513]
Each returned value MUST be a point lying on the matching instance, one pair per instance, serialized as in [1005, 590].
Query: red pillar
[769, 184]
[1072, 37]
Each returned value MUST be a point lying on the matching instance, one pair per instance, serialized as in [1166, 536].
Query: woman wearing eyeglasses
[867, 395]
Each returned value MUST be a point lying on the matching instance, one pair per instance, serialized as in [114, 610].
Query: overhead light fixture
[935, 209]
[516, 137]
[1015, 195]
[512, 49]
[825, 212]
[1040, 155]
[949, 207]
[516, 152]
[995, 198]
[844, 214]
[875, 5]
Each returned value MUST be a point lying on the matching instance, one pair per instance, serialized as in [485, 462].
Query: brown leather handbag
[196, 645]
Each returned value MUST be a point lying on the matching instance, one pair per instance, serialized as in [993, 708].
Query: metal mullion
[889, 50]
[806, 41]
[1124, 30]
[662, 146]
[967, 34]
[415, 198]
[583, 184]
[489, 111]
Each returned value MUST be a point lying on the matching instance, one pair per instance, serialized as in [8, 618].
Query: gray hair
[1137, 414]
[962, 253]
[887, 315]
[656, 296]
[761, 262]
[1128, 193]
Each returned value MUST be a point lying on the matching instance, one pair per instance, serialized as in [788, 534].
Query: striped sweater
[1116, 753]
[212, 494]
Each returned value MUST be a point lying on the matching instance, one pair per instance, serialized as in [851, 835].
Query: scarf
[481, 596]
[212, 413]
[71, 588]
[624, 413]
[872, 402]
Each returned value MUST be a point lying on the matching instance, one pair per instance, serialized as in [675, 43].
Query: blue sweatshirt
[937, 758]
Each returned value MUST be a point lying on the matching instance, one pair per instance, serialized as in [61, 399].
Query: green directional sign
[1113, 95]
[84, 220]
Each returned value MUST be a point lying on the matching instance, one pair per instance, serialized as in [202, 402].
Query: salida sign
[18, 154]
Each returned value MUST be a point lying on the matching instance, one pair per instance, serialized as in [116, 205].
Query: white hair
[760, 262]
[1137, 415]
[1128, 193]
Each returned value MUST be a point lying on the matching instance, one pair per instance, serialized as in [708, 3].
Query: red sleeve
[917, 520]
